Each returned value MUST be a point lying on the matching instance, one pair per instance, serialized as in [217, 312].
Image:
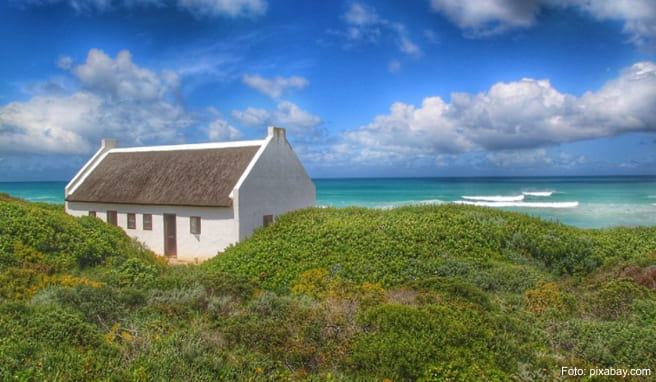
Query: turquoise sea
[589, 202]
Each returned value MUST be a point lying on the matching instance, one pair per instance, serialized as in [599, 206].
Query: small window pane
[194, 225]
[132, 221]
[92, 213]
[112, 218]
[268, 219]
[147, 222]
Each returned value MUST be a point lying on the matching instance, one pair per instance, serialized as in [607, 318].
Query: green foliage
[453, 290]
[136, 271]
[443, 293]
[607, 343]
[461, 372]
[548, 300]
[29, 230]
[404, 244]
[400, 342]
[614, 299]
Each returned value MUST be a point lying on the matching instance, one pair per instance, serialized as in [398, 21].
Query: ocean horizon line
[464, 177]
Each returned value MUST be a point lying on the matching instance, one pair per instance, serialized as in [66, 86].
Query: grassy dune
[431, 293]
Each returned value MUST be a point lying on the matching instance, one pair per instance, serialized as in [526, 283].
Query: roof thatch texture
[201, 177]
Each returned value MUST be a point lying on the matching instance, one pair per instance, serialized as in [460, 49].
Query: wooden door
[170, 242]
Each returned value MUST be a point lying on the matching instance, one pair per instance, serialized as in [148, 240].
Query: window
[268, 219]
[92, 213]
[112, 218]
[194, 225]
[132, 220]
[147, 222]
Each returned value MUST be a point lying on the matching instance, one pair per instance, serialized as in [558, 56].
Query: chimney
[277, 132]
[108, 144]
[105, 146]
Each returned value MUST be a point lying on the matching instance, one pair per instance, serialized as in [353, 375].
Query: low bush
[614, 299]
[549, 301]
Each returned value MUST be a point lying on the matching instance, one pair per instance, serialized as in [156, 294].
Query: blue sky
[364, 88]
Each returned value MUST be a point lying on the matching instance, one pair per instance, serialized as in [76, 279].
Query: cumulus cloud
[275, 87]
[639, 18]
[364, 25]
[488, 17]
[121, 79]
[528, 114]
[118, 99]
[480, 19]
[287, 114]
[199, 8]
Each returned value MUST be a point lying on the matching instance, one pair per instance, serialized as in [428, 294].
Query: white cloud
[359, 14]
[275, 87]
[408, 47]
[639, 17]
[122, 79]
[488, 17]
[485, 18]
[48, 124]
[252, 117]
[221, 130]
[364, 25]
[199, 8]
[287, 115]
[232, 8]
[65, 63]
[519, 158]
[119, 99]
[528, 114]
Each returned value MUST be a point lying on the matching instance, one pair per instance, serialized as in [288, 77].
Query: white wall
[218, 228]
[277, 183]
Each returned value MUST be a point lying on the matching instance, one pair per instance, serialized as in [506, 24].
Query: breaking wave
[519, 204]
[496, 198]
[538, 193]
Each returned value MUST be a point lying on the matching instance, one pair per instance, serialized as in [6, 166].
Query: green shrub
[65, 241]
[404, 244]
[137, 272]
[219, 284]
[614, 299]
[99, 305]
[179, 302]
[453, 289]
[455, 371]
[56, 326]
[548, 300]
[400, 342]
[607, 343]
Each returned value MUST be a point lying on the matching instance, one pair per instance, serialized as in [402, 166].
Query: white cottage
[191, 201]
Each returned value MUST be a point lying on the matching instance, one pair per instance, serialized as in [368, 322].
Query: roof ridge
[190, 146]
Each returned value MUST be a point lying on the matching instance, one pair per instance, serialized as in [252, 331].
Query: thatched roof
[188, 177]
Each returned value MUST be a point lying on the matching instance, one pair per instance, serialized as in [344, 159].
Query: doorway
[170, 242]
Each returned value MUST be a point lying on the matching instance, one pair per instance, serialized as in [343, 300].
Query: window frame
[132, 220]
[196, 219]
[149, 226]
[112, 217]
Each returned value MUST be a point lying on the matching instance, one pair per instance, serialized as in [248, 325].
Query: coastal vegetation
[431, 293]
